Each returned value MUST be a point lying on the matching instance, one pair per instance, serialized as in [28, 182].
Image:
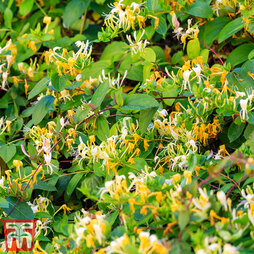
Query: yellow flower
[65, 208]
[90, 241]
[32, 46]
[92, 140]
[17, 164]
[146, 145]
[38, 249]
[187, 174]
[8, 125]
[30, 72]
[47, 20]
[176, 178]
[197, 168]
[132, 202]
[21, 66]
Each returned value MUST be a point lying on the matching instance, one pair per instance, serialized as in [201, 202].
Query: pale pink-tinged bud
[24, 151]
[175, 21]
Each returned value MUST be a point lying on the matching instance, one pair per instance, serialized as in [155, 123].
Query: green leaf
[147, 70]
[170, 91]
[25, 7]
[162, 27]
[74, 10]
[102, 131]
[81, 113]
[251, 55]
[235, 131]
[114, 51]
[42, 108]
[72, 185]
[40, 185]
[42, 84]
[8, 15]
[7, 152]
[210, 30]
[92, 182]
[200, 9]
[153, 5]
[42, 215]
[4, 203]
[183, 219]
[112, 217]
[135, 70]
[230, 29]
[100, 93]
[149, 55]
[139, 101]
[58, 82]
[22, 210]
[240, 54]
[145, 117]
[248, 131]
[193, 48]
[130, 249]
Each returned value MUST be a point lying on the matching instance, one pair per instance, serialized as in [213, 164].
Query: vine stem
[213, 52]
[173, 97]
[207, 183]
[13, 207]
[100, 111]
[83, 22]
[237, 183]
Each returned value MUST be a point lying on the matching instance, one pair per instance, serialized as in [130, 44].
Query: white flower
[79, 77]
[197, 70]
[163, 113]
[240, 94]
[229, 249]
[138, 45]
[2, 182]
[192, 143]
[244, 112]
[186, 76]
[33, 207]
[98, 233]
[222, 199]
[201, 251]
[47, 158]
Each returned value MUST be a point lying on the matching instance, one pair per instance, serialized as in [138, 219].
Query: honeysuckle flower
[118, 245]
[176, 178]
[38, 249]
[79, 77]
[33, 207]
[192, 144]
[186, 82]
[244, 112]
[240, 94]
[197, 70]
[222, 199]
[249, 197]
[4, 81]
[17, 164]
[163, 113]
[230, 249]
[202, 202]
[2, 182]
[138, 45]
[187, 174]
[49, 165]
